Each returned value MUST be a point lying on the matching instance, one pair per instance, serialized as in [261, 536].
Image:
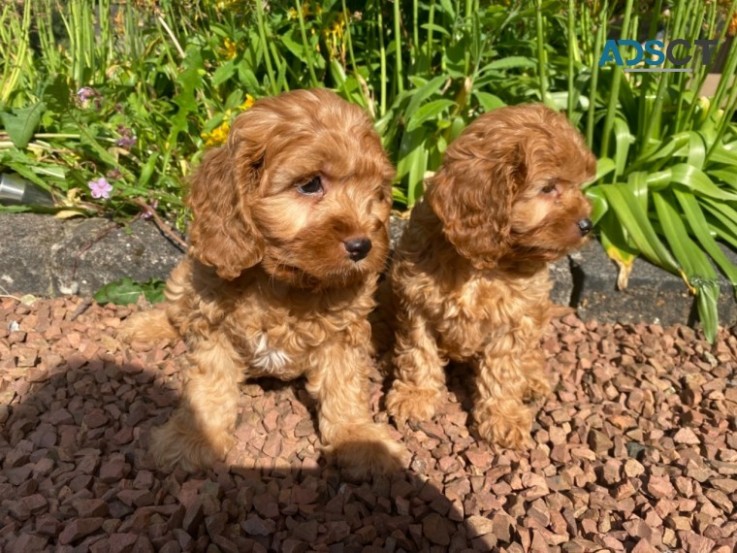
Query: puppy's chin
[339, 275]
[544, 245]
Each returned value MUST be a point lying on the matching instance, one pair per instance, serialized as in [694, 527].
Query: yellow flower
[230, 49]
[334, 35]
[217, 136]
[247, 103]
[292, 12]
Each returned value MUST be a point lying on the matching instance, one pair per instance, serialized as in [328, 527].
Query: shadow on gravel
[635, 450]
[76, 476]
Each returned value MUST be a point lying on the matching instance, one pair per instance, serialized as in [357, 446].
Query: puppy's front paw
[536, 388]
[404, 402]
[508, 425]
[187, 446]
[365, 450]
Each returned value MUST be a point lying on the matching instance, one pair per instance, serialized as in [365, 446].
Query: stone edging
[44, 256]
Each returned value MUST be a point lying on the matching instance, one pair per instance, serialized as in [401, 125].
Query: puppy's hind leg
[420, 373]
[201, 430]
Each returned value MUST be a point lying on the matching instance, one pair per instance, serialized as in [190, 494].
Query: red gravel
[636, 451]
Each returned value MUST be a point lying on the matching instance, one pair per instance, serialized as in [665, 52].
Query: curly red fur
[469, 278]
[270, 288]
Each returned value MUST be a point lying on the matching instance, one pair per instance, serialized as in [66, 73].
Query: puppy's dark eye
[311, 187]
[550, 188]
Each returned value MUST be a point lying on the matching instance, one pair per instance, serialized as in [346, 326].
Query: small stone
[435, 529]
[727, 485]
[693, 543]
[660, 486]
[599, 442]
[503, 527]
[79, 528]
[479, 526]
[114, 470]
[254, 525]
[644, 546]
[686, 436]
[91, 508]
[121, 542]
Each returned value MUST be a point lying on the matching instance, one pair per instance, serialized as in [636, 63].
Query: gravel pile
[636, 450]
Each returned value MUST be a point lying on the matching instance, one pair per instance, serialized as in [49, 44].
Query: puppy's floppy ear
[223, 234]
[473, 192]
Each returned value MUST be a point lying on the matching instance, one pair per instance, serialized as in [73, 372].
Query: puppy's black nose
[585, 226]
[357, 248]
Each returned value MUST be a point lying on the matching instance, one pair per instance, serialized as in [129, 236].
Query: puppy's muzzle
[585, 226]
[357, 248]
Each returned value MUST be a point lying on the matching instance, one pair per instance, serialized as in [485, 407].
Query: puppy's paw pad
[405, 402]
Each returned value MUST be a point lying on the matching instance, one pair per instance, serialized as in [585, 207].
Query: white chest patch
[268, 359]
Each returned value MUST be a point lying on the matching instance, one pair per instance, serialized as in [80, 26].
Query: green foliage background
[135, 90]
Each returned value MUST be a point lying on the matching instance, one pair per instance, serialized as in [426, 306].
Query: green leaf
[726, 215]
[295, 46]
[604, 166]
[676, 142]
[423, 93]
[599, 205]
[699, 272]
[21, 125]
[435, 28]
[126, 291]
[727, 175]
[247, 77]
[510, 62]
[617, 248]
[488, 102]
[428, 111]
[418, 166]
[724, 153]
[700, 229]
[623, 139]
[148, 169]
[689, 256]
[631, 215]
[223, 73]
[447, 7]
[707, 301]
[696, 150]
[699, 182]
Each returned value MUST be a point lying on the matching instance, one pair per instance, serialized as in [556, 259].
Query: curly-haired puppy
[470, 279]
[288, 237]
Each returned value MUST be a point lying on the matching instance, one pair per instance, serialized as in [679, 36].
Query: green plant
[132, 93]
[126, 291]
[666, 187]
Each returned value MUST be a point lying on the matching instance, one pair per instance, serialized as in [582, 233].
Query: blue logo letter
[638, 48]
[610, 51]
[657, 53]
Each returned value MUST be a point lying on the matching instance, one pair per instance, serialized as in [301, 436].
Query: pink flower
[100, 188]
[86, 93]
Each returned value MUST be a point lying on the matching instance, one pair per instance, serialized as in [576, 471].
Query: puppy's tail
[149, 327]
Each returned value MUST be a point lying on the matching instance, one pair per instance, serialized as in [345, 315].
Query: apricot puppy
[288, 237]
[470, 275]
